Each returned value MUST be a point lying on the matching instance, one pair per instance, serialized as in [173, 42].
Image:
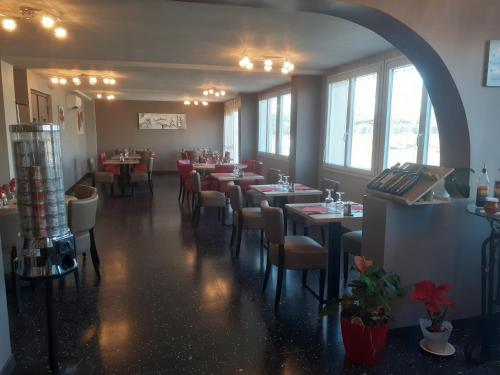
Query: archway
[448, 105]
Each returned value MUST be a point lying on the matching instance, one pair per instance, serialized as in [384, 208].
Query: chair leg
[306, 231]
[218, 213]
[323, 237]
[266, 274]
[19, 297]
[322, 277]
[180, 189]
[223, 215]
[183, 195]
[346, 266]
[192, 202]
[233, 231]
[294, 227]
[279, 284]
[240, 230]
[77, 280]
[150, 183]
[93, 254]
[304, 278]
[261, 239]
[133, 189]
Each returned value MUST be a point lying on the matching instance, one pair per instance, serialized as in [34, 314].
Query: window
[350, 121]
[274, 124]
[231, 127]
[412, 134]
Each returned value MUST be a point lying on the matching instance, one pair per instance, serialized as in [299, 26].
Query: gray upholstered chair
[206, 198]
[243, 217]
[253, 197]
[306, 224]
[81, 220]
[101, 177]
[141, 176]
[291, 252]
[351, 244]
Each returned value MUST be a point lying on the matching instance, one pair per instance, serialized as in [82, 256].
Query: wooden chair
[101, 177]
[139, 176]
[205, 198]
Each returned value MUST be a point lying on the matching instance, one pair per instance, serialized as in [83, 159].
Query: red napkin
[264, 189]
[315, 210]
[302, 187]
[357, 207]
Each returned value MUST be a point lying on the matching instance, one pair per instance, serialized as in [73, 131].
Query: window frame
[278, 94]
[351, 75]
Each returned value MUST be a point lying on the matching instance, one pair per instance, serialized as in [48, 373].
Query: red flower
[362, 264]
[433, 296]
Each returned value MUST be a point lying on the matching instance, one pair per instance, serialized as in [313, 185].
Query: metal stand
[479, 351]
[49, 299]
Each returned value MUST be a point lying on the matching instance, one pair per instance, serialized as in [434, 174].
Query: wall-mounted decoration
[493, 73]
[60, 115]
[162, 121]
[80, 123]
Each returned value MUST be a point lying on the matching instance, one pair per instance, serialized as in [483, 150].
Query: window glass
[363, 117]
[262, 125]
[433, 147]
[404, 115]
[272, 113]
[285, 110]
[337, 121]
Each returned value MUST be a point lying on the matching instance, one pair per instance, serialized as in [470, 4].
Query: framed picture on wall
[60, 115]
[80, 123]
[153, 121]
[493, 68]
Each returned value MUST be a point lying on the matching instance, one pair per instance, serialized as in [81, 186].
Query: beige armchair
[106, 178]
[291, 252]
[206, 198]
[243, 217]
[81, 220]
[141, 176]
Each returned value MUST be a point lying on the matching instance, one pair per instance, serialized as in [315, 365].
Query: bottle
[497, 186]
[482, 187]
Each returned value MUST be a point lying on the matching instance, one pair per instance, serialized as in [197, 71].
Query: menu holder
[408, 184]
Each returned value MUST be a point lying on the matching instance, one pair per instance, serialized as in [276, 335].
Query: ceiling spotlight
[48, 22]
[63, 81]
[98, 96]
[204, 103]
[77, 81]
[60, 33]
[291, 67]
[284, 70]
[196, 102]
[217, 94]
[112, 81]
[92, 80]
[211, 91]
[286, 64]
[54, 80]
[110, 97]
[222, 93]
[249, 66]
[268, 68]
[244, 61]
[105, 80]
[9, 24]
[187, 102]
[268, 62]
[205, 92]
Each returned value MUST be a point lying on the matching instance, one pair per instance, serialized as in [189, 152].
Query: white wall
[74, 146]
[7, 117]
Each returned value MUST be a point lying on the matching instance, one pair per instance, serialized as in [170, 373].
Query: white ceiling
[166, 50]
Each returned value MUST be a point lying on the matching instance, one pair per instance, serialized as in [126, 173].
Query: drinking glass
[339, 204]
[280, 180]
[329, 200]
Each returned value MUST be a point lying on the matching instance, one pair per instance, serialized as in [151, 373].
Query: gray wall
[117, 127]
[248, 126]
[7, 117]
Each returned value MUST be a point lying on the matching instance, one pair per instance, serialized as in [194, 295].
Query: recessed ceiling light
[48, 22]
[54, 80]
[205, 92]
[77, 81]
[60, 33]
[196, 102]
[105, 80]
[187, 102]
[222, 93]
[110, 97]
[112, 81]
[284, 70]
[9, 24]
[63, 81]
[98, 96]
[211, 91]
[217, 93]
[92, 80]
[204, 103]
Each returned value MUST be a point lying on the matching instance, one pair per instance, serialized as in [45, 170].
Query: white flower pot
[436, 341]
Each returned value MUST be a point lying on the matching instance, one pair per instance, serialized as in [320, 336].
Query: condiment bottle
[496, 192]
[482, 187]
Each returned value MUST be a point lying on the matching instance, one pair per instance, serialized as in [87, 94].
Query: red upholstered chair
[143, 166]
[185, 167]
[115, 169]
[254, 166]
[259, 167]
[250, 165]
[223, 168]
[184, 155]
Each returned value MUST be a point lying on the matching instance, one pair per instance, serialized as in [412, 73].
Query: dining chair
[253, 197]
[115, 169]
[183, 168]
[351, 245]
[223, 168]
[291, 253]
[253, 166]
[140, 176]
[101, 177]
[81, 220]
[9, 228]
[243, 217]
[206, 198]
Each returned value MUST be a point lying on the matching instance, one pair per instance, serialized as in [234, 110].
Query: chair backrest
[326, 183]
[258, 167]
[91, 165]
[150, 164]
[82, 211]
[184, 155]
[184, 169]
[196, 182]
[274, 226]
[223, 168]
[101, 157]
[272, 175]
[235, 196]
[250, 165]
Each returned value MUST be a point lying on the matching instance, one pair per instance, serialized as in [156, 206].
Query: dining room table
[280, 194]
[129, 156]
[236, 178]
[323, 214]
[125, 165]
[210, 167]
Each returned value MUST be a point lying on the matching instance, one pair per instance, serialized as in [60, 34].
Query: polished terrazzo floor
[173, 301]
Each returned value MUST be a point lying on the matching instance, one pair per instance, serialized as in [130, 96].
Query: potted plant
[365, 312]
[436, 329]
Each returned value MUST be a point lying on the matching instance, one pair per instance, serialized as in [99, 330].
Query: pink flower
[362, 264]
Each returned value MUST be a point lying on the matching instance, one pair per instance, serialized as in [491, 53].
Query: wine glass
[280, 180]
[328, 200]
